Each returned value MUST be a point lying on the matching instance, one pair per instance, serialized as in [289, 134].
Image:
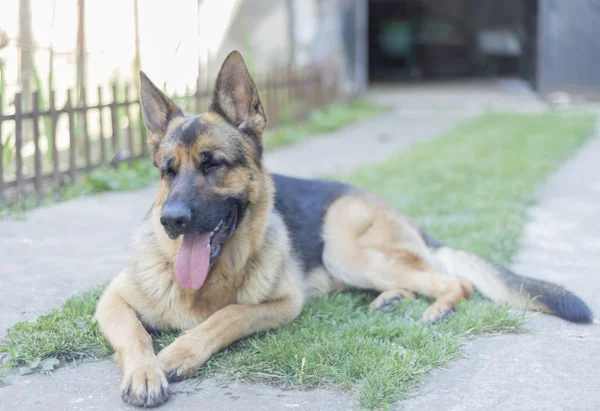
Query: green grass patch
[125, 176]
[331, 118]
[65, 333]
[470, 188]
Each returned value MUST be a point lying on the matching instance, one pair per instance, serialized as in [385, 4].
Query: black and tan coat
[229, 249]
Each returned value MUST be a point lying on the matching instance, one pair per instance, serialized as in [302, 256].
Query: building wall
[568, 46]
[299, 32]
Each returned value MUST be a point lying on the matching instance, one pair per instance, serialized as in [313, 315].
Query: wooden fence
[78, 137]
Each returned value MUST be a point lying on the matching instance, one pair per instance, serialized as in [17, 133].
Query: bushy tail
[501, 285]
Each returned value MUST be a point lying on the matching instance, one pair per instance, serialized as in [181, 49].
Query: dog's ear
[235, 97]
[158, 110]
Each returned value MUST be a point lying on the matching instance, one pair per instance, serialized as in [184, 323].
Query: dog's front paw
[182, 357]
[145, 386]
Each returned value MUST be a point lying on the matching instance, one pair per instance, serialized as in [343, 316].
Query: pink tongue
[191, 265]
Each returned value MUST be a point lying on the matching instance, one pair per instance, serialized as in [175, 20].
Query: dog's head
[209, 165]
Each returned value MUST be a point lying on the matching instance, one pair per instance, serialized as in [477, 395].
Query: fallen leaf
[25, 370]
[49, 364]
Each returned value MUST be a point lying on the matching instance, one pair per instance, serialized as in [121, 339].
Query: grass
[470, 188]
[140, 173]
[124, 177]
[331, 118]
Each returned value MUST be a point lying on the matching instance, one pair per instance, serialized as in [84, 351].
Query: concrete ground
[65, 248]
[558, 366]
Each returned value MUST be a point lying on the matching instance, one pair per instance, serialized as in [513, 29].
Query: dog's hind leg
[390, 298]
[368, 245]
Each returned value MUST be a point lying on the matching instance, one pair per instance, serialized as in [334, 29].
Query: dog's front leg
[193, 348]
[144, 382]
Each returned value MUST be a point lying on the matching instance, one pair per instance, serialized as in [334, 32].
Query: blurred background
[68, 68]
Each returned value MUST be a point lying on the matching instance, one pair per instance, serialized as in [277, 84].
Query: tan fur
[486, 279]
[319, 282]
[371, 246]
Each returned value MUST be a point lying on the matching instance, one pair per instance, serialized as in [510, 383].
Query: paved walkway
[65, 248]
[558, 366]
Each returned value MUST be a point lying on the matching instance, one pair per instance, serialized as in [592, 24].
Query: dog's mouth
[198, 252]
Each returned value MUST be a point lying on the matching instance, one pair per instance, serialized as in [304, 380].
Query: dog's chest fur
[162, 304]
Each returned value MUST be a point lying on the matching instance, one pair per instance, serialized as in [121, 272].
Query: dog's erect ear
[157, 109]
[236, 98]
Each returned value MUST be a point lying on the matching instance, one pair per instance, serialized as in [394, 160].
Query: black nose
[175, 217]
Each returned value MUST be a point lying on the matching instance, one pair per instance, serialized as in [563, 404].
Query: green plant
[470, 188]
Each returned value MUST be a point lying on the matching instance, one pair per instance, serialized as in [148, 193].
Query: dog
[228, 249]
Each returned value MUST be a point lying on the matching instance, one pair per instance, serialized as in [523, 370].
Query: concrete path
[65, 248]
[558, 366]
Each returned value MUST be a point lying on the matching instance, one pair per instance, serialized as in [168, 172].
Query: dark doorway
[431, 39]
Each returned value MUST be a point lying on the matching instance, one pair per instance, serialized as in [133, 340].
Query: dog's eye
[211, 165]
[168, 172]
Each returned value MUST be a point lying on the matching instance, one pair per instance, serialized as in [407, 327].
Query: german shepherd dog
[229, 249]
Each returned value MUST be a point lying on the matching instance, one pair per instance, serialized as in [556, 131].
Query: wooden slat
[290, 85]
[72, 139]
[86, 134]
[37, 155]
[55, 158]
[198, 96]
[1, 151]
[46, 113]
[322, 96]
[114, 118]
[270, 102]
[187, 107]
[101, 128]
[18, 141]
[298, 82]
[277, 94]
[143, 133]
[304, 104]
[45, 177]
[130, 140]
[285, 90]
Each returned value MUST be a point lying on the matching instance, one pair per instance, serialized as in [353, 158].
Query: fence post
[54, 121]
[320, 90]
[276, 92]
[101, 128]
[198, 97]
[72, 139]
[86, 135]
[114, 118]
[37, 155]
[18, 142]
[130, 143]
[269, 100]
[290, 86]
[143, 132]
[186, 106]
[1, 149]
